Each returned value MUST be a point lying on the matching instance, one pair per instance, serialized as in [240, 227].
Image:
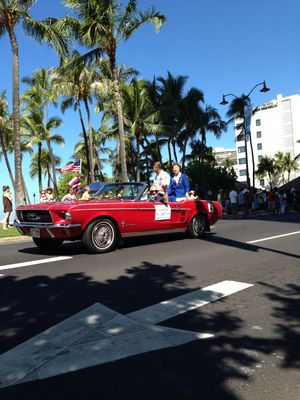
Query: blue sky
[223, 46]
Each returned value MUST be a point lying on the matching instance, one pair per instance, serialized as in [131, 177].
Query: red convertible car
[117, 210]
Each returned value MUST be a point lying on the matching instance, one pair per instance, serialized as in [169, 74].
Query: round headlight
[68, 215]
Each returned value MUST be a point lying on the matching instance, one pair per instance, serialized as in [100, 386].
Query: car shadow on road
[202, 369]
[246, 246]
[69, 248]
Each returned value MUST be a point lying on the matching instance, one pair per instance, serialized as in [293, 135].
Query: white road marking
[98, 335]
[273, 237]
[36, 262]
[181, 304]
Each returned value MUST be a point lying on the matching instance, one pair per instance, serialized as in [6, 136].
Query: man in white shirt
[233, 196]
[162, 178]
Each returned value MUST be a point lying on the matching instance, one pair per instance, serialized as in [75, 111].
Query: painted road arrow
[98, 335]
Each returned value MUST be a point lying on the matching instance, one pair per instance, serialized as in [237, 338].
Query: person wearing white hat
[156, 193]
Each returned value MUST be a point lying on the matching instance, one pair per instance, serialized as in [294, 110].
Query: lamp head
[224, 101]
[264, 89]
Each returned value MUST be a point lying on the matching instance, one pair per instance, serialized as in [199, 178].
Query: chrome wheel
[197, 226]
[103, 235]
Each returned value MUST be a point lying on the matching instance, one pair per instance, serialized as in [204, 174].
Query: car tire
[197, 226]
[47, 244]
[101, 236]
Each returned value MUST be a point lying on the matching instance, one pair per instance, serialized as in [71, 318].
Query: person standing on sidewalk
[233, 197]
[7, 206]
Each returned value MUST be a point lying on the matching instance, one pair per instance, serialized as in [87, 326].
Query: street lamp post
[246, 125]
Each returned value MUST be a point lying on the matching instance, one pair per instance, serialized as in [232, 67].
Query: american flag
[72, 167]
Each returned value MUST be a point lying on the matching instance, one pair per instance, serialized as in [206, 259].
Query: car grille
[34, 216]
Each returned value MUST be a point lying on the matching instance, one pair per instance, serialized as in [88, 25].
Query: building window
[240, 137]
[243, 172]
[242, 149]
[258, 134]
[257, 122]
[259, 158]
[262, 182]
[242, 160]
[259, 146]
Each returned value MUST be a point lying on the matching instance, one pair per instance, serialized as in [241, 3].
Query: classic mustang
[115, 211]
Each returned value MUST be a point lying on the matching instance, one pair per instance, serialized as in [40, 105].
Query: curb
[14, 239]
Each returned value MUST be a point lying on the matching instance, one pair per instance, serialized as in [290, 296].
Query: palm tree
[267, 167]
[102, 26]
[78, 84]
[170, 98]
[211, 122]
[298, 155]
[285, 163]
[280, 161]
[6, 132]
[189, 119]
[41, 85]
[291, 165]
[140, 117]
[236, 112]
[11, 14]
[37, 132]
[44, 162]
[228, 164]
[98, 148]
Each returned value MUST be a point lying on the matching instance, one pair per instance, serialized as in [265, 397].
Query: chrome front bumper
[51, 230]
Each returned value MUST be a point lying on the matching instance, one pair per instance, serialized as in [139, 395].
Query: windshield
[125, 191]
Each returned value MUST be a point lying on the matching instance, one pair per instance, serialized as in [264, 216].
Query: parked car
[115, 211]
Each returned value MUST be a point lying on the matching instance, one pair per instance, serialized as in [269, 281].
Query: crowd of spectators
[245, 202]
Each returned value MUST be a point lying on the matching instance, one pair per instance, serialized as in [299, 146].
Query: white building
[275, 126]
[221, 154]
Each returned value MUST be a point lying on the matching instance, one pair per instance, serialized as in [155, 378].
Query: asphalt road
[255, 350]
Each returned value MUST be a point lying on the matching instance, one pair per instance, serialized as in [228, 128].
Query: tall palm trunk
[25, 191]
[133, 162]
[90, 142]
[203, 137]
[174, 150]
[119, 108]
[6, 159]
[169, 152]
[16, 119]
[184, 153]
[158, 149]
[52, 160]
[138, 157]
[85, 143]
[147, 158]
[203, 178]
[40, 166]
[270, 180]
[253, 163]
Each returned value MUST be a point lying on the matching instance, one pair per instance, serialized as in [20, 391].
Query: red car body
[100, 221]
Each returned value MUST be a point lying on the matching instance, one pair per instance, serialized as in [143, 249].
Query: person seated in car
[120, 192]
[192, 195]
[109, 195]
[86, 195]
[156, 193]
[71, 195]
[179, 186]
